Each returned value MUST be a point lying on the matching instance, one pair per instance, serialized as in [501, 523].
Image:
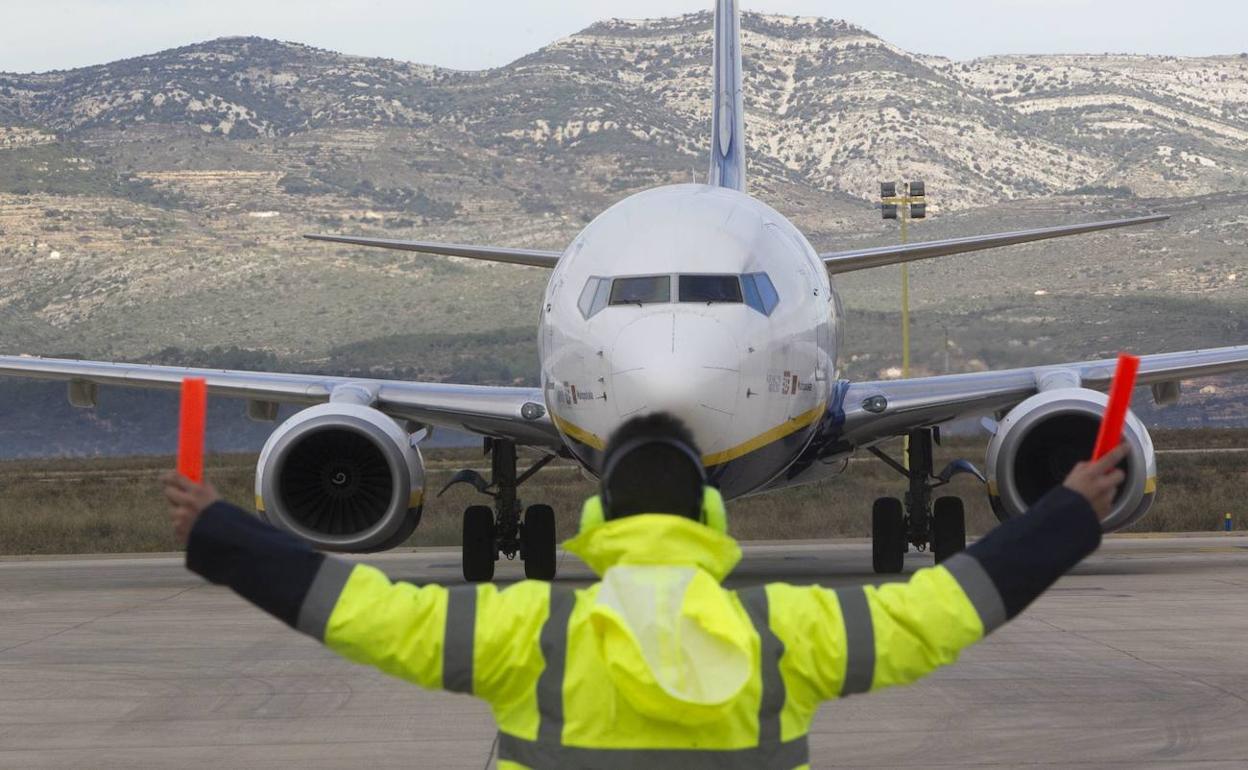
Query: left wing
[928, 401]
[878, 256]
[503, 412]
[531, 257]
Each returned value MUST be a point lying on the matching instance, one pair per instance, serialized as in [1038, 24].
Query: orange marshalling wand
[191, 433]
[1116, 412]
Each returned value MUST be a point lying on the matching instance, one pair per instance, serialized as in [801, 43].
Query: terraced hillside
[154, 204]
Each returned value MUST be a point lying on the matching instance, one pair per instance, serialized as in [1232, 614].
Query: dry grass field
[112, 505]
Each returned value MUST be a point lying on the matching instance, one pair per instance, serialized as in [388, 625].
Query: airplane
[698, 300]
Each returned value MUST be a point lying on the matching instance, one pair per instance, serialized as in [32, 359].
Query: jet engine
[342, 476]
[1042, 438]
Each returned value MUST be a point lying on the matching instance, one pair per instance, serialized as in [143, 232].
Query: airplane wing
[928, 401]
[878, 256]
[503, 412]
[836, 262]
[531, 257]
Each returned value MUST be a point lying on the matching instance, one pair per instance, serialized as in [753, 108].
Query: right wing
[503, 412]
[531, 257]
[928, 401]
[878, 256]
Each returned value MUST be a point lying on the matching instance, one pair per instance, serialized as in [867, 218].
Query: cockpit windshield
[710, 288]
[641, 290]
[752, 289]
[760, 294]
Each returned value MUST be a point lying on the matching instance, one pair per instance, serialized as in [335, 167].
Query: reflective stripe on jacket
[656, 664]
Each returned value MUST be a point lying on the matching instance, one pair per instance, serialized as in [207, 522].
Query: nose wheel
[948, 527]
[480, 548]
[537, 542]
[940, 525]
[888, 535]
[499, 531]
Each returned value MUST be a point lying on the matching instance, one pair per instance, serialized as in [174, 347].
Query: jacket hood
[674, 642]
[656, 539]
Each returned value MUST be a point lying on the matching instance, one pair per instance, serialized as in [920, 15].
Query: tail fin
[728, 107]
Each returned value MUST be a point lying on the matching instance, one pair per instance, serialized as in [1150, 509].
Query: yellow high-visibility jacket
[657, 665]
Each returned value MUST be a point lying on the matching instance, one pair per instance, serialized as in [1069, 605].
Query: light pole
[911, 204]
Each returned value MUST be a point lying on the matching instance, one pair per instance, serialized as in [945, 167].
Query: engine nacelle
[342, 476]
[1041, 439]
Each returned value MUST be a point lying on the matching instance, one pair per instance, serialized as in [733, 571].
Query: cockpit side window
[760, 294]
[710, 288]
[641, 290]
[594, 296]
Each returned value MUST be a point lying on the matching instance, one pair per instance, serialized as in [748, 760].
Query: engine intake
[343, 477]
[1042, 438]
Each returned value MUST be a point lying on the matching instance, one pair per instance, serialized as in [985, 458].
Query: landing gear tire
[537, 542]
[480, 547]
[888, 536]
[948, 527]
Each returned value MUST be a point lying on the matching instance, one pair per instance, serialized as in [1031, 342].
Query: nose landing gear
[920, 521]
[500, 530]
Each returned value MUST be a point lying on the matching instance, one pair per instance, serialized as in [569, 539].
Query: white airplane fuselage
[750, 374]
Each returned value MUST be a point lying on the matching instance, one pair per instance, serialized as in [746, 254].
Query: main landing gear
[920, 521]
[489, 532]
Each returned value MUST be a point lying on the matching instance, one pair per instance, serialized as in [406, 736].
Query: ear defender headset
[712, 511]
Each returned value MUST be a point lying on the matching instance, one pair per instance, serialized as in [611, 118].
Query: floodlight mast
[912, 204]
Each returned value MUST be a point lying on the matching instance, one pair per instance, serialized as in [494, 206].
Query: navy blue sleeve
[266, 566]
[1027, 554]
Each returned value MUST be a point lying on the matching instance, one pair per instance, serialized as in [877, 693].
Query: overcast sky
[38, 35]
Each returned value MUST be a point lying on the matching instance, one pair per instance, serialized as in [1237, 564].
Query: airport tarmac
[1140, 658]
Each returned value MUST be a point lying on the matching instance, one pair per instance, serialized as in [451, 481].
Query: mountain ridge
[823, 95]
[157, 201]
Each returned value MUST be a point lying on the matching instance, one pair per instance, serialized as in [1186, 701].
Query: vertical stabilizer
[728, 108]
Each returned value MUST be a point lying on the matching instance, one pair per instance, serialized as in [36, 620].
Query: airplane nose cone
[683, 364]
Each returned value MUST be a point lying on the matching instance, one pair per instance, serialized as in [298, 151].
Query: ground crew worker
[655, 665]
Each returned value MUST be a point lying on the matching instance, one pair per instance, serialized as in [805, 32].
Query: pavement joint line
[493, 748]
[105, 616]
[1158, 666]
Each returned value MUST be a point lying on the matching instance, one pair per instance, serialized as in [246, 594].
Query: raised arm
[352, 608]
[851, 640]
[429, 635]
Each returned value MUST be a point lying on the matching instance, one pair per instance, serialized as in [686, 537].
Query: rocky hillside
[831, 105]
[156, 202]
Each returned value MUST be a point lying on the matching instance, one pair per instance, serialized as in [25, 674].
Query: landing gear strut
[491, 532]
[920, 521]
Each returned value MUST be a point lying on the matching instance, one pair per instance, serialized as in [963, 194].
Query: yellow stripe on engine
[1150, 485]
[417, 497]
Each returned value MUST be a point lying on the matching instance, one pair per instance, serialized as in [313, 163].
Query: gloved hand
[1098, 481]
[186, 501]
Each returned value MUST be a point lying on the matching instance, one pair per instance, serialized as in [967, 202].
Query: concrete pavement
[1138, 659]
